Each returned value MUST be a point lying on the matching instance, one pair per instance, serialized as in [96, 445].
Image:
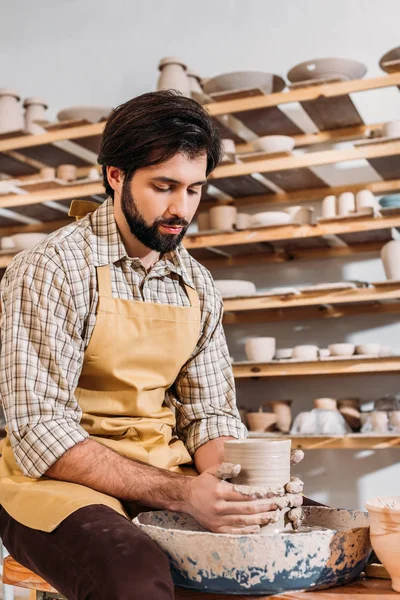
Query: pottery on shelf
[323, 352]
[343, 349]
[173, 76]
[269, 218]
[223, 218]
[196, 91]
[394, 421]
[393, 56]
[35, 114]
[346, 203]
[235, 288]
[325, 404]
[47, 172]
[305, 352]
[371, 348]
[284, 353]
[274, 144]
[384, 516]
[239, 80]
[388, 402]
[390, 255]
[283, 411]
[323, 422]
[301, 215]
[243, 414]
[66, 172]
[343, 69]
[349, 408]
[93, 114]
[242, 221]
[25, 241]
[391, 129]
[11, 116]
[229, 147]
[365, 199]
[390, 201]
[260, 349]
[203, 221]
[379, 421]
[261, 421]
[329, 207]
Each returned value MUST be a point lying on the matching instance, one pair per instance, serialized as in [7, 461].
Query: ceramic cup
[173, 76]
[329, 207]
[341, 349]
[391, 129]
[265, 463]
[305, 352]
[384, 516]
[260, 349]
[346, 203]
[11, 116]
[365, 199]
[325, 404]
[379, 421]
[47, 173]
[242, 221]
[203, 221]
[283, 411]
[300, 215]
[390, 255]
[35, 113]
[261, 421]
[223, 218]
[66, 172]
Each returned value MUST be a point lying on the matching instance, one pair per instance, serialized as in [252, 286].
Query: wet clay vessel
[384, 515]
[331, 549]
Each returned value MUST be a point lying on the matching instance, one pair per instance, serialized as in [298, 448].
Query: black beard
[149, 235]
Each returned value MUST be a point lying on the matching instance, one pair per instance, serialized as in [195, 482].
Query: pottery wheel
[331, 549]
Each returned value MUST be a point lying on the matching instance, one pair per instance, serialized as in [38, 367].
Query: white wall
[95, 51]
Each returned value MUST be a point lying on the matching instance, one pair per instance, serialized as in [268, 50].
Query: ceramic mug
[47, 173]
[260, 349]
[329, 207]
[66, 172]
[391, 129]
[223, 218]
[365, 199]
[346, 203]
[305, 352]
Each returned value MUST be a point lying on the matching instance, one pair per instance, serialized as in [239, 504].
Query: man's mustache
[173, 223]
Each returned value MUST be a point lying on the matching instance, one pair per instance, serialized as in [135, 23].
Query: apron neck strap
[104, 281]
[193, 296]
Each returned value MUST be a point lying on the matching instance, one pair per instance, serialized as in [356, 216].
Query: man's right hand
[216, 505]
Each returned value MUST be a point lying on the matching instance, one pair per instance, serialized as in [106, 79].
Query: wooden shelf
[363, 366]
[355, 441]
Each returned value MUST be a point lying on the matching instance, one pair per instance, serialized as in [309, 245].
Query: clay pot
[325, 404]
[282, 410]
[265, 463]
[329, 207]
[379, 421]
[305, 352]
[242, 221]
[384, 514]
[203, 221]
[390, 255]
[47, 173]
[346, 203]
[173, 76]
[66, 172]
[394, 421]
[11, 117]
[262, 421]
[260, 349]
[223, 217]
[35, 113]
[343, 349]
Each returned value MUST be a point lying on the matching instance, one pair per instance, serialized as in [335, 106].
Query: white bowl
[371, 348]
[327, 68]
[343, 349]
[231, 288]
[238, 80]
[260, 349]
[284, 353]
[265, 219]
[24, 241]
[274, 143]
[305, 352]
[93, 114]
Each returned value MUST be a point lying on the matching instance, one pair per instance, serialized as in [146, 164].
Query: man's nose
[179, 205]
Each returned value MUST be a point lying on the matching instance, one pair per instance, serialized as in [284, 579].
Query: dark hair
[152, 128]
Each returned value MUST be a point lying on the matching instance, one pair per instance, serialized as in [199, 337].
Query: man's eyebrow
[162, 179]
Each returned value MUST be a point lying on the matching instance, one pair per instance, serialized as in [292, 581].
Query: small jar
[173, 76]
[35, 114]
[11, 117]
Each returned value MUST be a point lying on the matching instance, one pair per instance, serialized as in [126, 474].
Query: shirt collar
[108, 247]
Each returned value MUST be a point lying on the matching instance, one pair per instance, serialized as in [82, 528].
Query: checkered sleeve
[40, 362]
[204, 394]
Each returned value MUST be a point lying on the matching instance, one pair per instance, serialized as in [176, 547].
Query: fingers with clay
[296, 456]
[295, 486]
[227, 471]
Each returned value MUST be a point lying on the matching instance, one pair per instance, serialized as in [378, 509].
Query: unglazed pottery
[325, 403]
[371, 348]
[66, 172]
[392, 56]
[384, 514]
[238, 80]
[11, 117]
[273, 144]
[93, 114]
[390, 255]
[320, 421]
[349, 408]
[229, 149]
[196, 90]
[260, 349]
[329, 207]
[394, 421]
[282, 409]
[242, 221]
[301, 215]
[343, 349]
[305, 352]
[261, 421]
[284, 353]
[35, 113]
[379, 421]
[47, 173]
[223, 217]
[327, 68]
[365, 199]
[203, 221]
[346, 203]
[269, 218]
[231, 288]
[7, 243]
[331, 549]
[173, 76]
[391, 129]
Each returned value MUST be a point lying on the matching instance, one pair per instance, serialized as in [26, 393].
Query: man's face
[160, 201]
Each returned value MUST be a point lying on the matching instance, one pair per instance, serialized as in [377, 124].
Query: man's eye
[194, 192]
[158, 189]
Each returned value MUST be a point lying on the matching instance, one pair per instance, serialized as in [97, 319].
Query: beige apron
[136, 351]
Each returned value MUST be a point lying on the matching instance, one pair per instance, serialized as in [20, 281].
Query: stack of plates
[391, 201]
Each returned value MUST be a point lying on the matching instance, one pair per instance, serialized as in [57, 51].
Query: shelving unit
[355, 441]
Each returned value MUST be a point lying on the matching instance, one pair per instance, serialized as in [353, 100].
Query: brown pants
[94, 553]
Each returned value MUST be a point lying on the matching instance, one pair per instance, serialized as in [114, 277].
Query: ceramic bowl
[238, 80]
[341, 349]
[260, 349]
[283, 353]
[324, 353]
[390, 201]
[262, 421]
[24, 241]
[384, 514]
[392, 55]
[327, 68]
[305, 352]
[93, 114]
[371, 348]
[231, 288]
[269, 218]
[272, 144]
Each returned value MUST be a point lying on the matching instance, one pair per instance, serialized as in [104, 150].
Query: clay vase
[223, 218]
[262, 421]
[282, 410]
[66, 172]
[384, 515]
[173, 76]
[390, 255]
[35, 113]
[325, 404]
[11, 117]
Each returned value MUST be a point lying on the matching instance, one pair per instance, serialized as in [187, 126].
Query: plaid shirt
[49, 301]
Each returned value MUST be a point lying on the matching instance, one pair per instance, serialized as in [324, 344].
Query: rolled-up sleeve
[204, 394]
[40, 363]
